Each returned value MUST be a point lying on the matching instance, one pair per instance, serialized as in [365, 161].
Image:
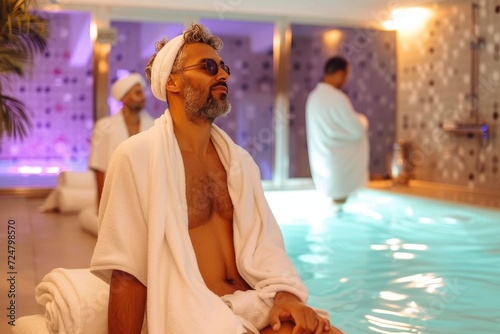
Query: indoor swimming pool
[394, 263]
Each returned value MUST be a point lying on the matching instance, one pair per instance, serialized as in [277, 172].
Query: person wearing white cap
[187, 240]
[111, 131]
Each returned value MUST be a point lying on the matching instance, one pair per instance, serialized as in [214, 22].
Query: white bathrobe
[143, 230]
[109, 132]
[337, 142]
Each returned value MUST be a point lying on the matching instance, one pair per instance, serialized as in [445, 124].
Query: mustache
[219, 84]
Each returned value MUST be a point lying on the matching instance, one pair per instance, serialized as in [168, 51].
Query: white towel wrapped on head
[122, 86]
[162, 67]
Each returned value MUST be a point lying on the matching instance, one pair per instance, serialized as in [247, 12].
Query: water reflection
[392, 264]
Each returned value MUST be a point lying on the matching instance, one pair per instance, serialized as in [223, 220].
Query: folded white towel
[88, 219]
[51, 203]
[149, 167]
[76, 302]
[31, 324]
[72, 179]
[75, 199]
[74, 191]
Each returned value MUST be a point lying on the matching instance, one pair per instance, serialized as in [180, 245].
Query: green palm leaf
[23, 34]
[13, 60]
[14, 120]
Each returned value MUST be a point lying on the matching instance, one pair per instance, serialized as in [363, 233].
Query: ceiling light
[407, 18]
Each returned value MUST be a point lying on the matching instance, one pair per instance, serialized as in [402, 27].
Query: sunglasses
[211, 67]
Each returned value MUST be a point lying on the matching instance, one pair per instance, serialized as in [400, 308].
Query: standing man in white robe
[337, 136]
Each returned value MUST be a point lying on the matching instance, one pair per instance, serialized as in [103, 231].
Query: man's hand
[288, 307]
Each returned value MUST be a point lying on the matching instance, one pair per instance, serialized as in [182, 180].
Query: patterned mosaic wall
[371, 86]
[434, 73]
[251, 92]
[58, 94]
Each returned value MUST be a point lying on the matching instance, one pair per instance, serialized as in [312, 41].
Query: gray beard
[198, 109]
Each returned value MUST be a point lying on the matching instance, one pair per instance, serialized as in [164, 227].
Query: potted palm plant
[23, 34]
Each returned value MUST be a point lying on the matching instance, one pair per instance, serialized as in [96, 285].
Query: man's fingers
[276, 325]
[305, 322]
[274, 321]
[323, 326]
[327, 325]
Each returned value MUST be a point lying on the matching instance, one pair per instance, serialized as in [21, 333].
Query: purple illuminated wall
[371, 85]
[251, 92]
[58, 94]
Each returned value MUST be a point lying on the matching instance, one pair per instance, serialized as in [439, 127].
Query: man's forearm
[127, 303]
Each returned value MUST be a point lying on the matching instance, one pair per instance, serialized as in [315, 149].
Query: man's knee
[286, 328]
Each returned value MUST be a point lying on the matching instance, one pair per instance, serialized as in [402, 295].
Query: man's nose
[222, 75]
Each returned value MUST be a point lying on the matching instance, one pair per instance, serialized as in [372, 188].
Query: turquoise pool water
[394, 263]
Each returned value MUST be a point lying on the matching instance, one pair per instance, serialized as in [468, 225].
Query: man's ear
[173, 84]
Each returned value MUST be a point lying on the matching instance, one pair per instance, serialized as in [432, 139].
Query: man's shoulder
[323, 93]
[322, 88]
[329, 92]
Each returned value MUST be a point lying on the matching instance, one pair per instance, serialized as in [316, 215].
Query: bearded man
[187, 239]
[111, 131]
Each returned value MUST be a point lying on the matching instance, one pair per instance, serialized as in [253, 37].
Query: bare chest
[206, 190]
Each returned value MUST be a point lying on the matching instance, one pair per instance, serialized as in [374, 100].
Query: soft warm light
[417, 247]
[430, 282]
[38, 170]
[403, 256]
[52, 170]
[30, 170]
[391, 325]
[407, 18]
[93, 31]
[332, 38]
[392, 296]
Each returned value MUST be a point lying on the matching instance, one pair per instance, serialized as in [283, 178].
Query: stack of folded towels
[76, 302]
[74, 191]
